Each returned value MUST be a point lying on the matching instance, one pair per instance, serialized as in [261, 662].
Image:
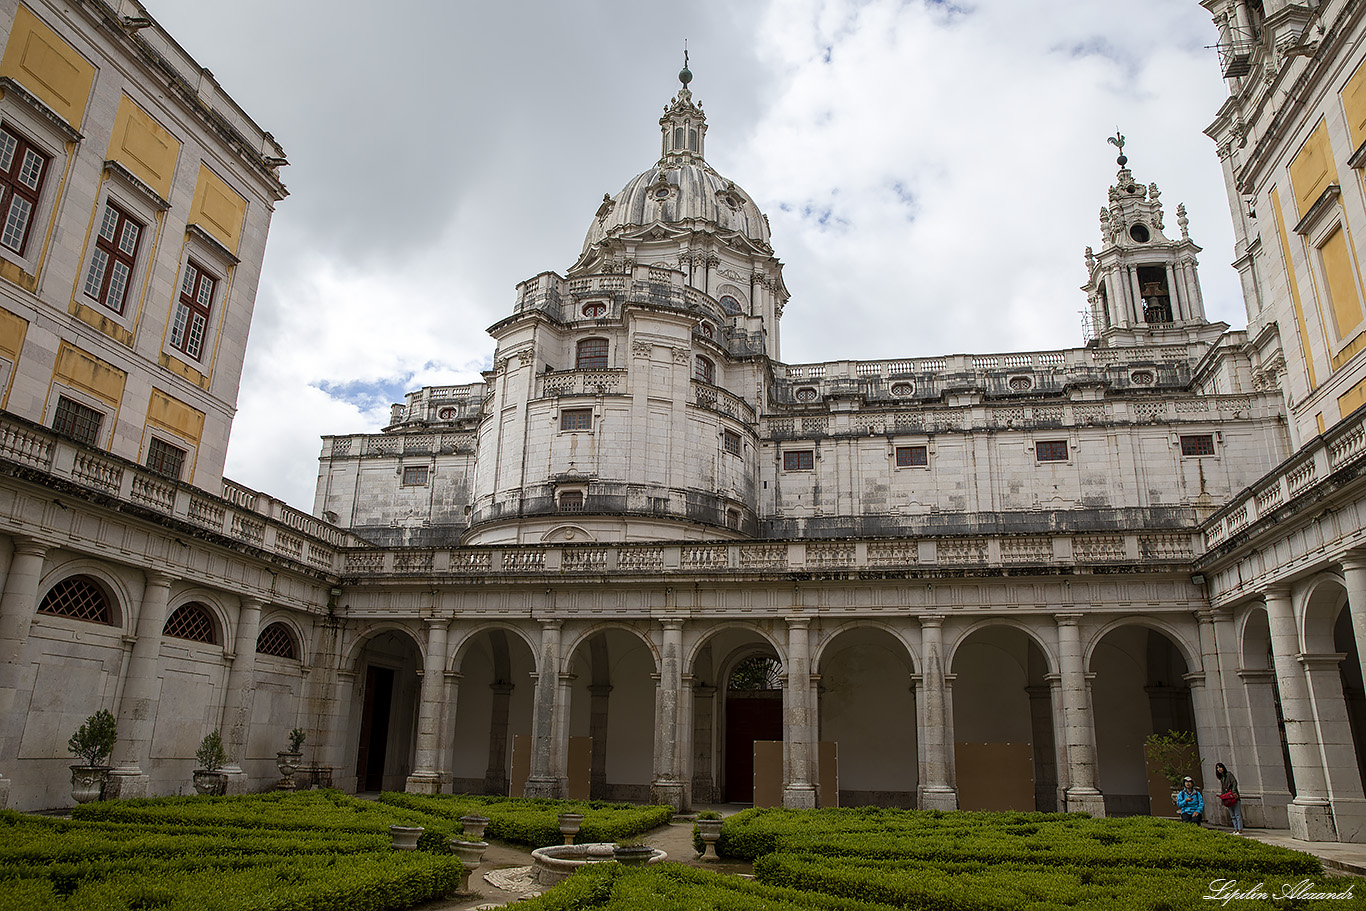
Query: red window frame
[110, 275]
[799, 460]
[22, 171]
[591, 354]
[193, 309]
[704, 370]
[1200, 444]
[1051, 451]
[912, 457]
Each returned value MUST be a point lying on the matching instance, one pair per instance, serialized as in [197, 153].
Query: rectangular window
[912, 456]
[22, 169]
[192, 310]
[591, 354]
[414, 475]
[730, 442]
[77, 421]
[1051, 451]
[111, 265]
[576, 419]
[799, 460]
[165, 459]
[1197, 445]
[571, 501]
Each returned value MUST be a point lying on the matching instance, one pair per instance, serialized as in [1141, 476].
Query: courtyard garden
[323, 850]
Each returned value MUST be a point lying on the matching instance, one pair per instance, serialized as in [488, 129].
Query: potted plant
[92, 742]
[709, 831]
[1173, 756]
[211, 756]
[288, 761]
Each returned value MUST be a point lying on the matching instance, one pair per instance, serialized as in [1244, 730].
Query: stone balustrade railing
[1340, 447]
[986, 553]
[603, 381]
[240, 514]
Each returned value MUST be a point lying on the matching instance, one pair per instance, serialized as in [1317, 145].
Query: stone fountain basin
[556, 863]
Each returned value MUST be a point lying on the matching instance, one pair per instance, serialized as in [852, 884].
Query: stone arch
[494, 666]
[291, 625]
[384, 661]
[1339, 699]
[1316, 608]
[225, 633]
[866, 706]
[567, 531]
[636, 629]
[466, 637]
[1004, 730]
[114, 588]
[703, 641]
[897, 632]
[1188, 649]
[362, 636]
[1139, 687]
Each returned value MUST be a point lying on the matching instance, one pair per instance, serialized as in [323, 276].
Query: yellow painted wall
[218, 208]
[169, 413]
[1313, 169]
[13, 328]
[37, 58]
[1354, 106]
[144, 146]
[1350, 401]
[1342, 287]
[1305, 352]
[86, 372]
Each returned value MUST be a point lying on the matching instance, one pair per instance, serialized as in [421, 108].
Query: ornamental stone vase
[210, 783]
[87, 782]
[288, 763]
[471, 854]
[405, 837]
[569, 826]
[710, 832]
[633, 855]
[474, 827]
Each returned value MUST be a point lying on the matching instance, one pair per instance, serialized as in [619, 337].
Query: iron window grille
[799, 460]
[79, 598]
[591, 354]
[571, 501]
[22, 169]
[275, 640]
[705, 370]
[1197, 445]
[79, 422]
[912, 456]
[191, 621]
[576, 419]
[1051, 451]
[730, 442]
[414, 475]
[165, 459]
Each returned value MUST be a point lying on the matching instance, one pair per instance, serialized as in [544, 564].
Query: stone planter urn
[633, 855]
[471, 854]
[710, 832]
[87, 782]
[288, 763]
[210, 784]
[474, 827]
[405, 837]
[569, 826]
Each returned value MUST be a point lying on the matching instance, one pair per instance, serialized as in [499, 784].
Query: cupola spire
[684, 126]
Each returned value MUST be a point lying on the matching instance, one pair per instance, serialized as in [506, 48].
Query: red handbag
[1229, 798]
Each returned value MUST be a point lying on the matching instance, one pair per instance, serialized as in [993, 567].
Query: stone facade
[646, 558]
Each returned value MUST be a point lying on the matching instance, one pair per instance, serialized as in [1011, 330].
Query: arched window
[191, 621]
[277, 641]
[730, 305]
[78, 597]
[591, 354]
[705, 370]
[757, 673]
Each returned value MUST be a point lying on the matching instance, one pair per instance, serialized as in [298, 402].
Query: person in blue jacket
[1190, 802]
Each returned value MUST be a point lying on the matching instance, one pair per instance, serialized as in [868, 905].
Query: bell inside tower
[1157, 301]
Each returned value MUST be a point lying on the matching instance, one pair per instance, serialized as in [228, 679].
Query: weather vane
[1116, 140]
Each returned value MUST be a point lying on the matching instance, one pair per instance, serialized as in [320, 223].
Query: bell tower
[1142, 286]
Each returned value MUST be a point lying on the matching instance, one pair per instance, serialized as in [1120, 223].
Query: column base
[543, 787]
[126, 783]
[1311, 821]
[423, 783]
[938, 798]
[237, 780]
[799, 797]
[1349, 818]
[667, 792]
[1086, 800]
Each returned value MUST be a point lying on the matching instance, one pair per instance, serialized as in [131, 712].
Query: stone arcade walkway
[675, 839]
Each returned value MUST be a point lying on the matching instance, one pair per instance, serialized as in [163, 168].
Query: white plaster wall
[868, 709]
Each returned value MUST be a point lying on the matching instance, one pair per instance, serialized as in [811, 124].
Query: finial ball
[685, 75]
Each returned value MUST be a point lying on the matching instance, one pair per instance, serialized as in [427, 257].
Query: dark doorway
[374, 727]
[754, 711]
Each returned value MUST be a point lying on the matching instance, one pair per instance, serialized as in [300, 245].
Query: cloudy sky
[932, 172]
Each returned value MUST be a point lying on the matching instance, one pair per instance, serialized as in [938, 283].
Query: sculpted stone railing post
[1078, 727]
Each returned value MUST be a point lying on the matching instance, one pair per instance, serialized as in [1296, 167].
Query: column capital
[29, 546]
[798, 622]
[1275, 591]
[555, 624]
[671, 623]
[432, 623]
[931, 621]
[1321, 662]
[251, 602]
[1067, 619]
[158, 578]
[1353, 560]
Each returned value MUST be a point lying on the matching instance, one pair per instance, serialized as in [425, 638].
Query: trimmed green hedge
[535, 821]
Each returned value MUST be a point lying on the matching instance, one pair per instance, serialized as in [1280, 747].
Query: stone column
[542, 780]
[17, 604]
[1310, 816]
[703, 747]
[935, 791]
[237, 701]
[1173, 296]
[667, 786]
[1354, 576]
[1078, 728]
[1343, 779]
[1211, 714]
[1059, 743]
[426, 776]
[450, 698]
[1045, 755]
[1263, 769]
[137, 713]
[798, 791]
[496, 775]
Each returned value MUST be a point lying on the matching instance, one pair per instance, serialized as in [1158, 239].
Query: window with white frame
[111, 264]
[22, 170]
[193, 308]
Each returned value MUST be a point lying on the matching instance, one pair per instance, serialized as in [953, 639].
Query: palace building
[646, 558]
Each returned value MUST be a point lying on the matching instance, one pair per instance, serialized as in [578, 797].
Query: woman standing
[1230, 796]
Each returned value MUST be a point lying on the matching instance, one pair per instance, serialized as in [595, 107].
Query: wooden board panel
[768, 773]
[828, 785]
[521, 764]
[995, 776]
[580, 767]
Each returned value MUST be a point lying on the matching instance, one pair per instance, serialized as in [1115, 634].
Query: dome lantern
[684, 126]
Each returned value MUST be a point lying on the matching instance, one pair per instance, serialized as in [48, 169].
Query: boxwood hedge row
[535, 821]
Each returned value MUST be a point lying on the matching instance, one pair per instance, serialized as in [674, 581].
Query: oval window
[446, 414]
[662, 193]
[594, 310]
[806, 394]
[901, 390]
[1020, 383]
[1139, 233]
[1142, 377]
